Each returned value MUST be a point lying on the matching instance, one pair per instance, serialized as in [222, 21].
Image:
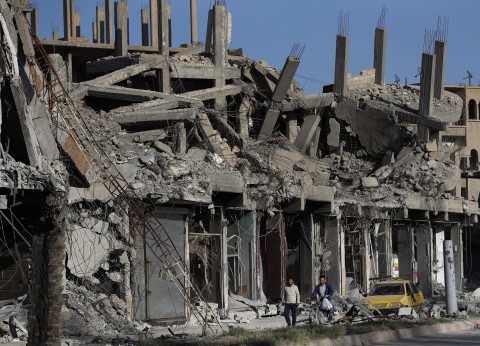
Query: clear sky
[267, 29]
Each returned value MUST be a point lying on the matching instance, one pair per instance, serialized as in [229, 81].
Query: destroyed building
[158, 176]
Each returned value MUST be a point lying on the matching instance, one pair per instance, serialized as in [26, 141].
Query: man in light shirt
[291, 299]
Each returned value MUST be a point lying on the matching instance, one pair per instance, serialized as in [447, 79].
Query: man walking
[324, 291]
[291, 298]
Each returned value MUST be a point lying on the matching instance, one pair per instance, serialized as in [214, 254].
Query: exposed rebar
[428, 39]
[381, 19]
[442, 28]
[343, 23]
[297, 50]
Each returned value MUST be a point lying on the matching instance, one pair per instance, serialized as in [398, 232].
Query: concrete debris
[189, 171]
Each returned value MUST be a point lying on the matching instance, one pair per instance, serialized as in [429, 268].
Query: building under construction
[175, 179]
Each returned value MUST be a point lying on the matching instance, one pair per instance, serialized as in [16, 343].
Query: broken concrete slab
[369, 182]
[333, 138]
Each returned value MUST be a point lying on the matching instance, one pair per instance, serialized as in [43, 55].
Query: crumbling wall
[363, 80]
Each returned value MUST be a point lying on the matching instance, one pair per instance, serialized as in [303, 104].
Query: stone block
[369, 182]
[431, 146]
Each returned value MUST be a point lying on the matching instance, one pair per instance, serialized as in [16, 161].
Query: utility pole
[450, 289]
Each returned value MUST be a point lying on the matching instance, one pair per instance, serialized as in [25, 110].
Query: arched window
[472, 109]
[474, 160]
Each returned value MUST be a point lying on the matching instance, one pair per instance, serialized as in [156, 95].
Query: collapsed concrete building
[159, 176]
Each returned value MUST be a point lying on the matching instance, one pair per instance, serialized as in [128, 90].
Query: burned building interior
[158, 184]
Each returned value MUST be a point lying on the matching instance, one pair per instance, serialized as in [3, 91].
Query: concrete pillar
[450, 291]
[307, 131]
[100, 24]
[220, 50]
[209, 37]
[194, 21]
[181, 147]
[439, 273]
[72, 18]
[121, 28]
[78, 31]
[424, 252]
[55, 36]
[440, 66]
[366, 262]
[457, 242]
[244, 113]
[144, 16]
[335, 242]
[314, 143]
[307, 281]
[404, 237]
[426, 84]
[108, 21]
[153, 23]
[163, 45]
[341, 65]
[288, 73]
[384, 249]
[269, 123]
[379, 55]
[66, 20]
[34, 20]
[292, 127]
[94, 32]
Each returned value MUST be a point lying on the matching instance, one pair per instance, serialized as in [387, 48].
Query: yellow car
[388, 295]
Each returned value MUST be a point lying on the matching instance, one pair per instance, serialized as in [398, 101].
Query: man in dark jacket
[322, 291]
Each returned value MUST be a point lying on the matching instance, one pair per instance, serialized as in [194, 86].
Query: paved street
[471, 337]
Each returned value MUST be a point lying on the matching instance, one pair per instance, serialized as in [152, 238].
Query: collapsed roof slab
[441, 205]
[307, 102]
[156, 116]
[167, 101]
[202, 72]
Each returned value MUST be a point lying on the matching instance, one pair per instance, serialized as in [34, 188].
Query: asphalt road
[469, 337]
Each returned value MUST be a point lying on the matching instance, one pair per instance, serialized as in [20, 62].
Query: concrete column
[78, 31]
[286, 77]
[121, 28]
[384, 248]
[194, 21]
[424, 251]
[335, 239]
[144, 16]
[341, 65]
[439, 272]
[306, 277]
[244, 113]
[209, 37]
[450, 291]
[220, 50]
[426, 84]
[440, 66]
[292, 127]
[94, 32]
[379, 55]
[55, 36]
[153, 23]
[366, 263]
[181, 147]
[307, 131]
[66, 20]
[72, 18]
[108, 21]
[314, 143]
[404, 237]
[34, 20]
[100, 24]
[457, 242]
[163, 45]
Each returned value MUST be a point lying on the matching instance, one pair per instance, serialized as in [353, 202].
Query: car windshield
[387, 289]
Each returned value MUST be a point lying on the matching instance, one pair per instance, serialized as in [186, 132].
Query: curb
[392, 335]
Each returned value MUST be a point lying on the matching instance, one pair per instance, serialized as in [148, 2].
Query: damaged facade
[155, 177]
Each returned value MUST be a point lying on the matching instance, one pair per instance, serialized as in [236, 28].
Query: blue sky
[267, 30]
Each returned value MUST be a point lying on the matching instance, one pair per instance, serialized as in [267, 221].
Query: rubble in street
[167, 192]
